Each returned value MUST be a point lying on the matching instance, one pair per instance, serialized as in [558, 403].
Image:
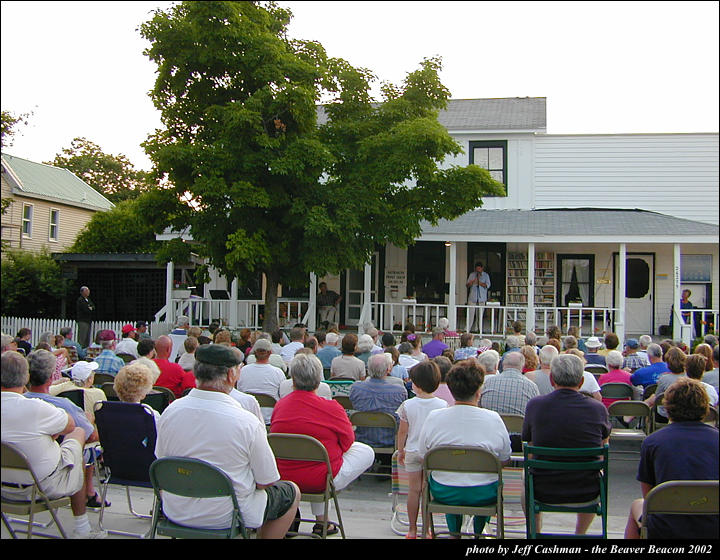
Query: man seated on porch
[650, 374]
[327, 300]
[380, 393]
[592, 358]
[107, 361]
[437, 345]
[67, 334]
[633, 359]
[172, 376]
[297, 341]
[565, 418]
[508, 392]
[329, 350]
[347, 365]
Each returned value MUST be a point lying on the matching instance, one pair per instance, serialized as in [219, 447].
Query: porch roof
[589, 225]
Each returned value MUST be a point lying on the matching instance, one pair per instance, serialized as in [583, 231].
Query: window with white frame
[491, 155]
[54, 224]
[27, 220]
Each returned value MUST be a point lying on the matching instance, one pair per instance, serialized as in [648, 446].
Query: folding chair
[159, 398]
[345, 402]
[109, 390]
[13, 458]
[191, 478]
[102, 378]
[640, 411]
[75, 395]
[127, 434]
[596, 369]
[658, 420]
[468, 460]
[595, 459]
[649, 390]
[680, 497]
[514, 424]
[298, 447]
[617, 391]
[376, 420]
[127, 358]
[264, 400]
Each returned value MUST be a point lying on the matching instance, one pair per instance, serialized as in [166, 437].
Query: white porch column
[169, 285]
[452, 299]
[233, 303]
[312, 304]
[365, 314]
[677, 275]
[622, 289]
[530, 316]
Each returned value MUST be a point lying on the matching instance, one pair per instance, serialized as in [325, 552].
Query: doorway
[639, 292]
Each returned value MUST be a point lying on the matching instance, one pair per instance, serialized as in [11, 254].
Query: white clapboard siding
[674, 174]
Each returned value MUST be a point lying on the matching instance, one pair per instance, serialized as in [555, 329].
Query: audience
[633, 359]
[261, 377]
[508, 392]
[711, 376]
[172, 376]
[649, 375]
[466, 350]
[347, 366]
[132, 384]
[187, 358]
[443, 391]
[82, 376]
[107, 361]
[436, 346]
[592, 345]
[694, 369]
[615, 374]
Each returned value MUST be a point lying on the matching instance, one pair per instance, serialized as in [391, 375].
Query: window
[576, 281]
[54, 224]
[27, 220]
[491, 155]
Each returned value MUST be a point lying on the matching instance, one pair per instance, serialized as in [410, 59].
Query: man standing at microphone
[478, 281]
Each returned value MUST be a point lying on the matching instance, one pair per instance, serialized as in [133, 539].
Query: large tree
[113, 176]
[274, 189]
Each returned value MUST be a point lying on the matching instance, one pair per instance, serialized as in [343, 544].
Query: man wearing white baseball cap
[592, 345]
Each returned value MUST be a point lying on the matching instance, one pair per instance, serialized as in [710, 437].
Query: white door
[639, 297]
[355, 292]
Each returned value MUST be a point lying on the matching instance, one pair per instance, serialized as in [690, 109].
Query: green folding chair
[191, 478]
[13, 458]
[616, 391]
[680, 497]
[467, 460]
[571, 460]
[299, 447]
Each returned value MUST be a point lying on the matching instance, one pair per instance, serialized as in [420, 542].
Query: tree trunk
[270, 322]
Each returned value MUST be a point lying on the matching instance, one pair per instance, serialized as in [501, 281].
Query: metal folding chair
[617, 391]
[13, 458]
[191, 478]
[127, 434]
[298, 447]
[680, 497]
[468, 460]
[75, 395]
[376, 420]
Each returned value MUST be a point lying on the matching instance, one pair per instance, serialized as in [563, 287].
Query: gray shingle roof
[512, 113]
[55, 183]
[581, 223]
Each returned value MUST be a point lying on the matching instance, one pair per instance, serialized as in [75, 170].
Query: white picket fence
[11, 326]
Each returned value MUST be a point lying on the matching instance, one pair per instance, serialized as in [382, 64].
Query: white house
[585, 218]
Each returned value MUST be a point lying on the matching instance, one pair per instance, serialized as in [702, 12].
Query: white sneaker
[92, 534]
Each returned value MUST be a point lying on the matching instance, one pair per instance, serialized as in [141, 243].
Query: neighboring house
[572, 206]
[50, 205]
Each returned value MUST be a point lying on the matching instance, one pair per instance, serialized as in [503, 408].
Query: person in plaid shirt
[107, 361]
[508, 392]
[633, 360]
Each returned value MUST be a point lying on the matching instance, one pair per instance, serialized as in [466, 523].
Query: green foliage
[272, 191]
[8, 128]
[112, 176]
[122, 229]
[32, 284]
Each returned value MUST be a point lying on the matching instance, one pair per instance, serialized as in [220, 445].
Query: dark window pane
[637, 278]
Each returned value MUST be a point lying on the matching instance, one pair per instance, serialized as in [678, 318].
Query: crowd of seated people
[438, 395]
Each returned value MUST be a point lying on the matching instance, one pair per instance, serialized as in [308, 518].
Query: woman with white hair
[365, 347]
[615, 374]
[303, 412]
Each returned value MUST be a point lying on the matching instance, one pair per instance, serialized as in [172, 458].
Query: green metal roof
[53, 183]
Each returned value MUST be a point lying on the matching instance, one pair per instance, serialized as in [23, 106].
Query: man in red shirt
[172, 375]
[303, 412]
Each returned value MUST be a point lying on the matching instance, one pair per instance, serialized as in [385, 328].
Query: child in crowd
[425, 379]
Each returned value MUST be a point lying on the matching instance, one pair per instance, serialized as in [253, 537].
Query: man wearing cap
[211, 426]
[107, 361]
[142, 330]
[181, 325]
[128, 343]
[634, 361]
[172, 375]
[261, 377]
[592, 357]
[436, 346]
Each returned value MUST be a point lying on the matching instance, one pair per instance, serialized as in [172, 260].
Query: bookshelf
[517, 279]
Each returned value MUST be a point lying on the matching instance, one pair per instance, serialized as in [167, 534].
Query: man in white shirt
[297, 341]
[210, 425]
[128, 344]
[478, 283]
[261, 377]
[32, 425]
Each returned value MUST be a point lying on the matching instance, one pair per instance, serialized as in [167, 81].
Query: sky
[604, 67]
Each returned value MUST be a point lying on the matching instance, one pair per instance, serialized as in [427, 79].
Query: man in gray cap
[210, 425]
[181, 325]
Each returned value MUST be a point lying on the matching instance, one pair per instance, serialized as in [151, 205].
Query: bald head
[163, 347]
